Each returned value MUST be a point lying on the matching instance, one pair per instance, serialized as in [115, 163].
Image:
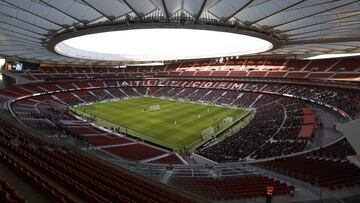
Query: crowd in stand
[249, 142]
[292, 124]
[228, 98]
[246, 100]
[279, 148]
[273, 132]
[234, 98]
[270, 133]
[197, 95]
[248, 139]
[278, 135]
[102, 94]
[345, 99]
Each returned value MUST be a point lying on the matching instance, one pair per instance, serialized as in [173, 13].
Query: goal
[153, 108]
[208, 133]
[227, 121]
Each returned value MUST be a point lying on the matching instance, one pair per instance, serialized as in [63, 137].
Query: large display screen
[18, 66]
[21, 66]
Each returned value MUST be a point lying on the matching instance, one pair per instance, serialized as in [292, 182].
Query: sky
[163, 44]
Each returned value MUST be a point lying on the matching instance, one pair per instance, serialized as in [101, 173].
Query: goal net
[154, 108]
[208, 133]
[227, 121]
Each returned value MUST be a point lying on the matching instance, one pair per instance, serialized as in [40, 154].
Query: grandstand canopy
[28, 28]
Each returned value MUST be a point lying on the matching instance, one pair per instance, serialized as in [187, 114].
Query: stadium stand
[285, 142]
[250, 186]
[92, 180]
[205, 118]
[273, 132]
[8, 194]
[320, 69]
[333, 174]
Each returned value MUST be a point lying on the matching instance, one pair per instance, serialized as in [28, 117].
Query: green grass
[159, 126]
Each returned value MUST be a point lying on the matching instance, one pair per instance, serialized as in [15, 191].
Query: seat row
[91, 180]
[333, 174]
[8, 194]
[42, 185]
[246, 186]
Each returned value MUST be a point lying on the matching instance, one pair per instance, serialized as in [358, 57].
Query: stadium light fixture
[147, 64]
[327, 56]
[161, 44]
[2, 62]
[221, 60]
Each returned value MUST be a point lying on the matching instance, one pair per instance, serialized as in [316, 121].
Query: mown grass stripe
[158, 126]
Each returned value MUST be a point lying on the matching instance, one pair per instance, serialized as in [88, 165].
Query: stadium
[179, 101]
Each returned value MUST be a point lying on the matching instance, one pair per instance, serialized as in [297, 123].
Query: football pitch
[176, 124]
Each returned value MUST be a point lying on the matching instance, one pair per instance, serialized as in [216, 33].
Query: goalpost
[153, 108]
[227, 121]
[208, 133]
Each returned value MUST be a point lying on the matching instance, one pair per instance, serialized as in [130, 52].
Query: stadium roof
[302, 27]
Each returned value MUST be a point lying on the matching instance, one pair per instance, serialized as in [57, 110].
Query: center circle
[160, 44]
